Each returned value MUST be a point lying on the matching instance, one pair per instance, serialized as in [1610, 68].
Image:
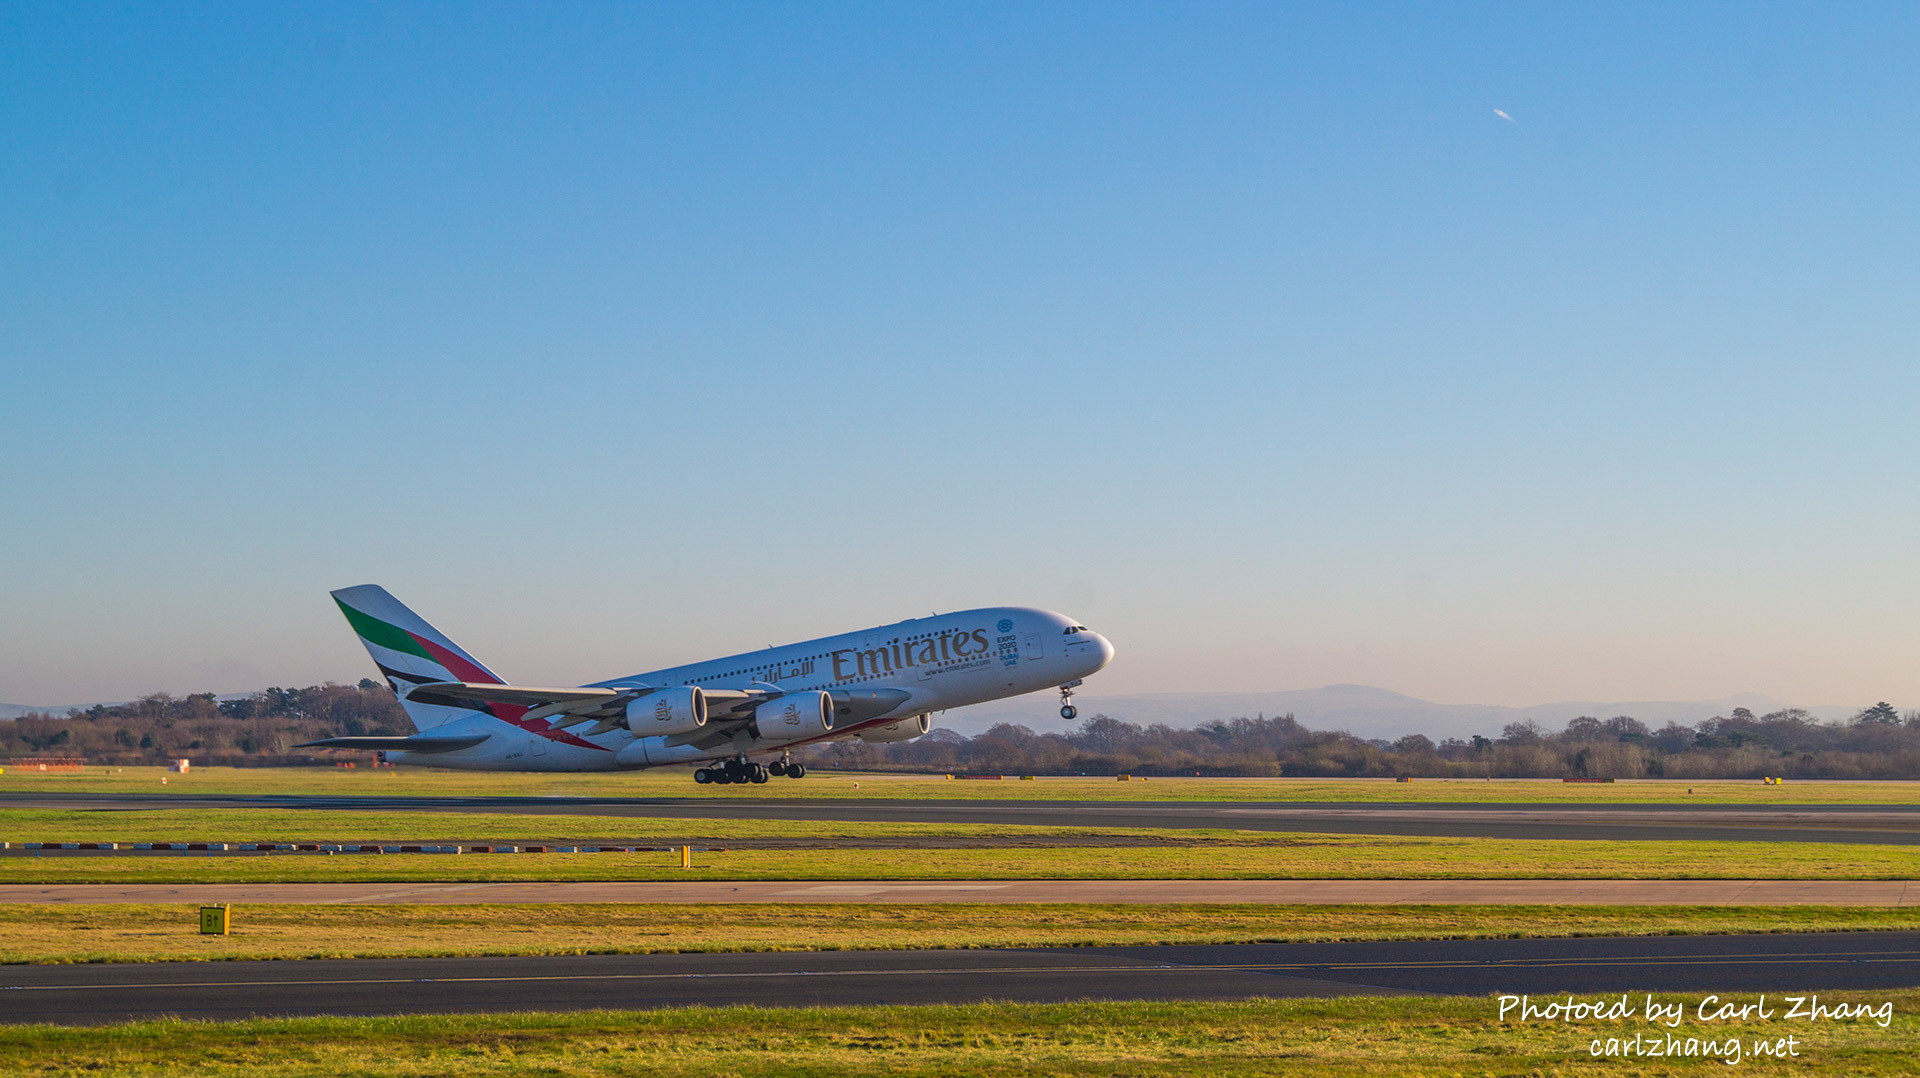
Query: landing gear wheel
[778, 767]
[1069, 712]
[796, 771]
[759, 773]
[702, 776]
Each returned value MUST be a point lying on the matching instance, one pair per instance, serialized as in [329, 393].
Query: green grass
[427, 782]
[1313, 1038]
[153, 933]
[1291, 856]
[189, 824]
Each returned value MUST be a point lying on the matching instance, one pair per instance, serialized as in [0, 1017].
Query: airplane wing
[412, 743]
[726, 710]
[525, 696]
[540, 702]
[726, 704]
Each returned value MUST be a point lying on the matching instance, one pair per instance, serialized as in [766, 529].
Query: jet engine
[854, 706]
[665, 712]
[904, 730]
[795, 716]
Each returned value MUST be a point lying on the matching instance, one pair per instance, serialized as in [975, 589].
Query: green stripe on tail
[375, 631]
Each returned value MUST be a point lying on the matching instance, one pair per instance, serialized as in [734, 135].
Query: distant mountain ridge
[14, 711]
[59, 711]
[1362, 710]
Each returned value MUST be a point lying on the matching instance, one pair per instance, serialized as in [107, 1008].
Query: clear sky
[614, 336]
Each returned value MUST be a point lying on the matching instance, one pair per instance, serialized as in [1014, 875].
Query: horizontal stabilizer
[414, 743]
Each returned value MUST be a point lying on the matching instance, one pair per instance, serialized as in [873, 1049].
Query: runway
[1884, 893]
[93, 994]
[1869, 824]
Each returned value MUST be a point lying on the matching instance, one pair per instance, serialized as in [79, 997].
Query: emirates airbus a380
[877, 685]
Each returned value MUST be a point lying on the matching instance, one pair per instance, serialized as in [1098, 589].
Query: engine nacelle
[795, 716]
[854, 706]
[666, 712]
[654, 752]
[904, 730]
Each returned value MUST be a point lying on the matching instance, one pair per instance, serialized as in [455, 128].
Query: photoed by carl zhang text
[1729, 1029]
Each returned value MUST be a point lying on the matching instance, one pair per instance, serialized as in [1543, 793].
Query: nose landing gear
[1067, 710]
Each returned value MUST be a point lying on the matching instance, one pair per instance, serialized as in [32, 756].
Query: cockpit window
[1071, 629]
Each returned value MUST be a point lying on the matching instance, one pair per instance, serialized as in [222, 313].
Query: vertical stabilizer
[410, 652]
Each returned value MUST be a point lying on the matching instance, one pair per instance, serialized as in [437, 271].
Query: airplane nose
[1105, 648]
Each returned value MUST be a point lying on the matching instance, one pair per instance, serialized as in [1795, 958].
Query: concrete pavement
[95, 994]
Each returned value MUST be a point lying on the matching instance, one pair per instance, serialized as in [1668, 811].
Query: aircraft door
[537, 744]
[1032, 643]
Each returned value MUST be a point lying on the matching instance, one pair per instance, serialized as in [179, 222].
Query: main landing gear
[736, 770]
[1067, 710]
[740, 769]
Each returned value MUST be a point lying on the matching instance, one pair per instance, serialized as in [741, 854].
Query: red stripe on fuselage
[462, 670]
[510, 713]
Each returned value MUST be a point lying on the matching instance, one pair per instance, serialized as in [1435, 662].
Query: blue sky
[617, 336]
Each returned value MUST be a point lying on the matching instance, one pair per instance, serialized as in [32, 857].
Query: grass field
[1344, 1037]
[1281, 857]
[679, 783]
[153, 933]
[190, 824]
[1314, 1038]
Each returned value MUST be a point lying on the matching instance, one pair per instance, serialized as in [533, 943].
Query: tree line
[259, 729]
[1877, 743]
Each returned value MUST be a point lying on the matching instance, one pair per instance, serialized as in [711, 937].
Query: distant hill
[1359, 709]
[14, 711]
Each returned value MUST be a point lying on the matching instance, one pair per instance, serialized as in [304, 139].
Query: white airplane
[877, 685]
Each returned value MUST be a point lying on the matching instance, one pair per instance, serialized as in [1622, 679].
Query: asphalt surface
[93, 994]
[1869, 824]
[1882, 893]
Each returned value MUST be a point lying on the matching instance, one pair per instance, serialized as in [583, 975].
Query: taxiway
[95, 994]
